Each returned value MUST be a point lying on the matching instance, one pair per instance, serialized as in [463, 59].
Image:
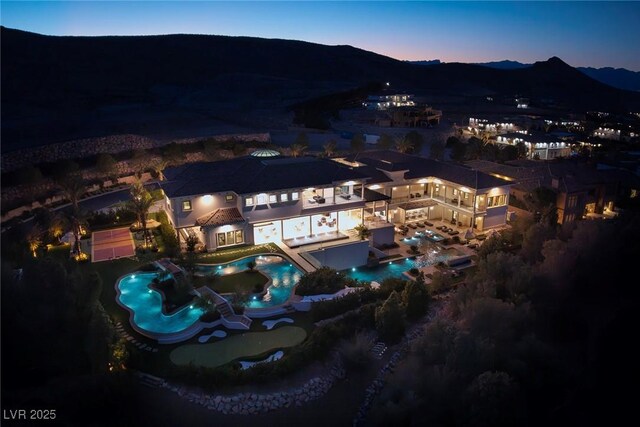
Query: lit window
[294, 196]
[248, 201]
[272, 198]
[262, 199]
[186, 205]
[229, 197]
[284, 197]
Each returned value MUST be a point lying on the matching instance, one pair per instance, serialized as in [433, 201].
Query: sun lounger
[428, 224]
[412, 225]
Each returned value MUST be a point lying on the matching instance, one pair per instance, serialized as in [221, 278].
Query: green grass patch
[243, 282]
[247, 345]
[227, 255]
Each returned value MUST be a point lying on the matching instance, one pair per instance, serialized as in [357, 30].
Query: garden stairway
[229, 318]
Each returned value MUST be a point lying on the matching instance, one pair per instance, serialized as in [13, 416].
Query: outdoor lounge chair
[412, 225]
[427, 223]
[420, 224]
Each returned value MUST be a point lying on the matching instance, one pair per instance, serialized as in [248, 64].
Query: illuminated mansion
[266, 197]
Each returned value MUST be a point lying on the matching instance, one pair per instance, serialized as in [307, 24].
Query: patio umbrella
[469, 234]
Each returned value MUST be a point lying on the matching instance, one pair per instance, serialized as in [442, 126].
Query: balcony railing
[319, 201]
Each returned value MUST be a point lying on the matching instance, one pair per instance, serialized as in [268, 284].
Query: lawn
[247, 345]
[227, 255]
[242, 282]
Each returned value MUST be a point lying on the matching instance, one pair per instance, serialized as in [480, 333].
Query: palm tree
[330, 148]
[57, 226]
[485, 137]
[158, 166]
[73, 189]
[141, 201]
[34, 239]
[404, 145]
[297, 150]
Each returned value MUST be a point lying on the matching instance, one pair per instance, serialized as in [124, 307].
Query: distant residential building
[409, 117]
[384, 102]
[583, 191]
[542, 147]
[607, 133]
[522, 102]
[487, 126]
[564, 123]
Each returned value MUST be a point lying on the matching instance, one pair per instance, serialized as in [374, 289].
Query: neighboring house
[257, 199]
[582, 190]
[408, 117]
[423, 189]
[484, 125]
[607, 133]
[384, 102]
[543, 147]
[522, 102]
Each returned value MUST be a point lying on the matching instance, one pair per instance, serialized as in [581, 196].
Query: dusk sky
[583, 34]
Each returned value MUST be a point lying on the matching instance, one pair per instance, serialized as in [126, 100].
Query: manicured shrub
[356, 352]
[210, 316]
[170, 239]
[389, 321]
[238, 308]
[324, 280]
[415, 298]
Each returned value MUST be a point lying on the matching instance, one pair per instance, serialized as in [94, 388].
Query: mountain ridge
[59, 87]
[620, 78]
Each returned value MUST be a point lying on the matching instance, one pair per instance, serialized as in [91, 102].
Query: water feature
[283, 274]
[146, 306]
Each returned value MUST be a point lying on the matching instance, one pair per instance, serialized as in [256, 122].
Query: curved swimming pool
[433, 254]
[145, 304]
[283, 273]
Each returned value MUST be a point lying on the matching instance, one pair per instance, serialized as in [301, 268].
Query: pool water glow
[284, 276]
[146, 305]
[396, 269]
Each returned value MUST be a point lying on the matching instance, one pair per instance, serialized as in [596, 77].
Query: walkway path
[416, 331]
[294, 255]
[223, 306]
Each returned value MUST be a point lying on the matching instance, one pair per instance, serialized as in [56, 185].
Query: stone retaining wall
[256, 403]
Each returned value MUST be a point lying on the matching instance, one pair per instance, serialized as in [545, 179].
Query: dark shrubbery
[389, 321]
[148, 267]
[210, 316]
[326, 309]
[238, 308]
[415, 298]
[324, 280]
[168, 234]
[116, 217]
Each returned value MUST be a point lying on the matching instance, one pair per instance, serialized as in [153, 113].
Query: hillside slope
[56, 88]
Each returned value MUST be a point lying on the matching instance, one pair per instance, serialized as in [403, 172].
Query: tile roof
[246, 175]
[571, 176]
[420, 167]
[222, 216]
